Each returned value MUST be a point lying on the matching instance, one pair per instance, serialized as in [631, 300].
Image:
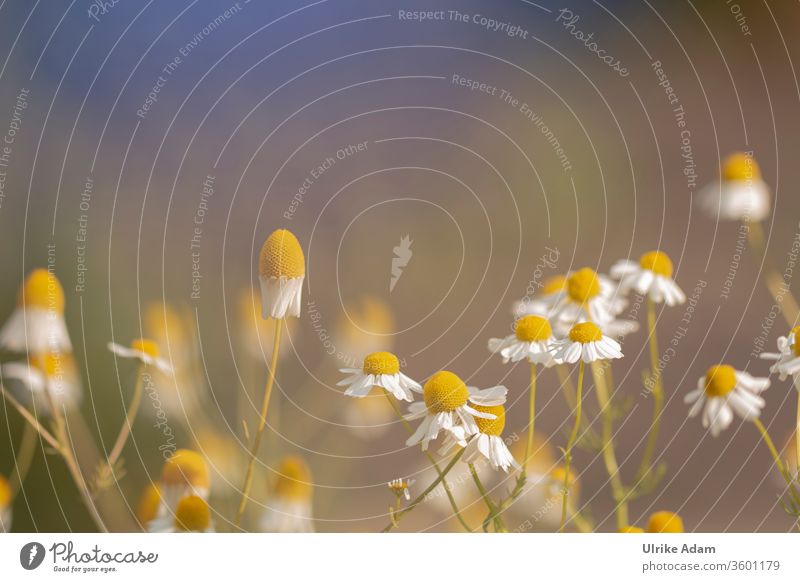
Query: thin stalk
[657, 391]
[46, 435]
[774, 282]
[531, 419]
[127, 425]
[419, 498]
[569, 395]
[23, 459]
[262, 421]
[494, 515]
[771, 446]
[433, 462]
[609, 456]
[568, 451]
[797, 439]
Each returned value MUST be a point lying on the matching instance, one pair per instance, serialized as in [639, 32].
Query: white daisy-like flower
[381, 369]
[289, 507]
[5, 505]
[282, 269]
[185, 474]
[542, 302]
[144, 350]
[650, 277]
[42, 377]
[488, 443]
[532, 340]
[586, 342]
[401, 487]
[447, 407]
[37, 324]
[192, 515]
[724, 391]
[740, 194]
[787, 360]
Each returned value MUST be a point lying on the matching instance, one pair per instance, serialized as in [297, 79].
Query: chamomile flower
[382, 370]
[665, 522]
[42, 377]
[5, 505]
[37, 324]
[192, 515]
[787, 360]
[588, 296]
[400, 487]
[488, 443]
[740, 194]
[532, 340]
[144, 350]
[586, 342]
[282, 269]
[651, 277]
[289, 507]
[149, 502]
[542, 303]
[724, 391]
[184, 474]
[446, 407]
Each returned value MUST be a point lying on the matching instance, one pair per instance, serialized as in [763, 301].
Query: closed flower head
[282, 268]
[658, 262]
[583, 285]
[665, 522]
[293, 480]
[42, 290]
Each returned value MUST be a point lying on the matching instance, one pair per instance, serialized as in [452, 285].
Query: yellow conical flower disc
[42, 290]
[796, 332]
[281, 256]
[186, 467]
[445, 392]
[665, 522]
[740, 167]
[149, 501]
[192, 514]
[583, 285]
[293, 480]
[487, 426]
[145, 346]
[657, 262]
[381, 363]
[585, 333]
[720, 380]
[533, 328]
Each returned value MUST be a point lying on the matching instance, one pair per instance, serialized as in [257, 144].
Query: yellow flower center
[740, 167]
[149, 501]
[533, 328]
[630, 529]
[583, 285]
[657, 262]
[145, 346]
[186, 467]
[49, 364]
[445, 392]
[488, 426]
[281, 256]
[665, 522]
[585, 333]
[720, 380]
[554, 284]
[5, 493]
[381, 363]
[192, 514]
[293, 480]
[796, 333]
[42, 290]
[559, 473]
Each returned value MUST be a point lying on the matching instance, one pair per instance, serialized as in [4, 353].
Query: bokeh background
[260, 98]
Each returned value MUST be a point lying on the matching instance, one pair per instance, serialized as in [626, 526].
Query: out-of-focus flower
[5, 505]
[665, 522]
[363, 327]
[724, 391]
[488, 443]
[282, 269]
[787, 360]
[400, 487]
[289, 506]
[44, 376]
[740, 194]
[447, 408]
[542, 302]
[144, 350]
[532, 340]
[586, 342]
[650, 277]
[149, 502]
[224, 457]
[382, 370]
[587, 296]
[37, 324]
[192, 515]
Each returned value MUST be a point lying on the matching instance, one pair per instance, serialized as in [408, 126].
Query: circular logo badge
[31, 555]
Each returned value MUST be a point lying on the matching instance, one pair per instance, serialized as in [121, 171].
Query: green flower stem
[657, 390]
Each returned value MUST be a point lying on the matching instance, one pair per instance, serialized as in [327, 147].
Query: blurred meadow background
[343, 122]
